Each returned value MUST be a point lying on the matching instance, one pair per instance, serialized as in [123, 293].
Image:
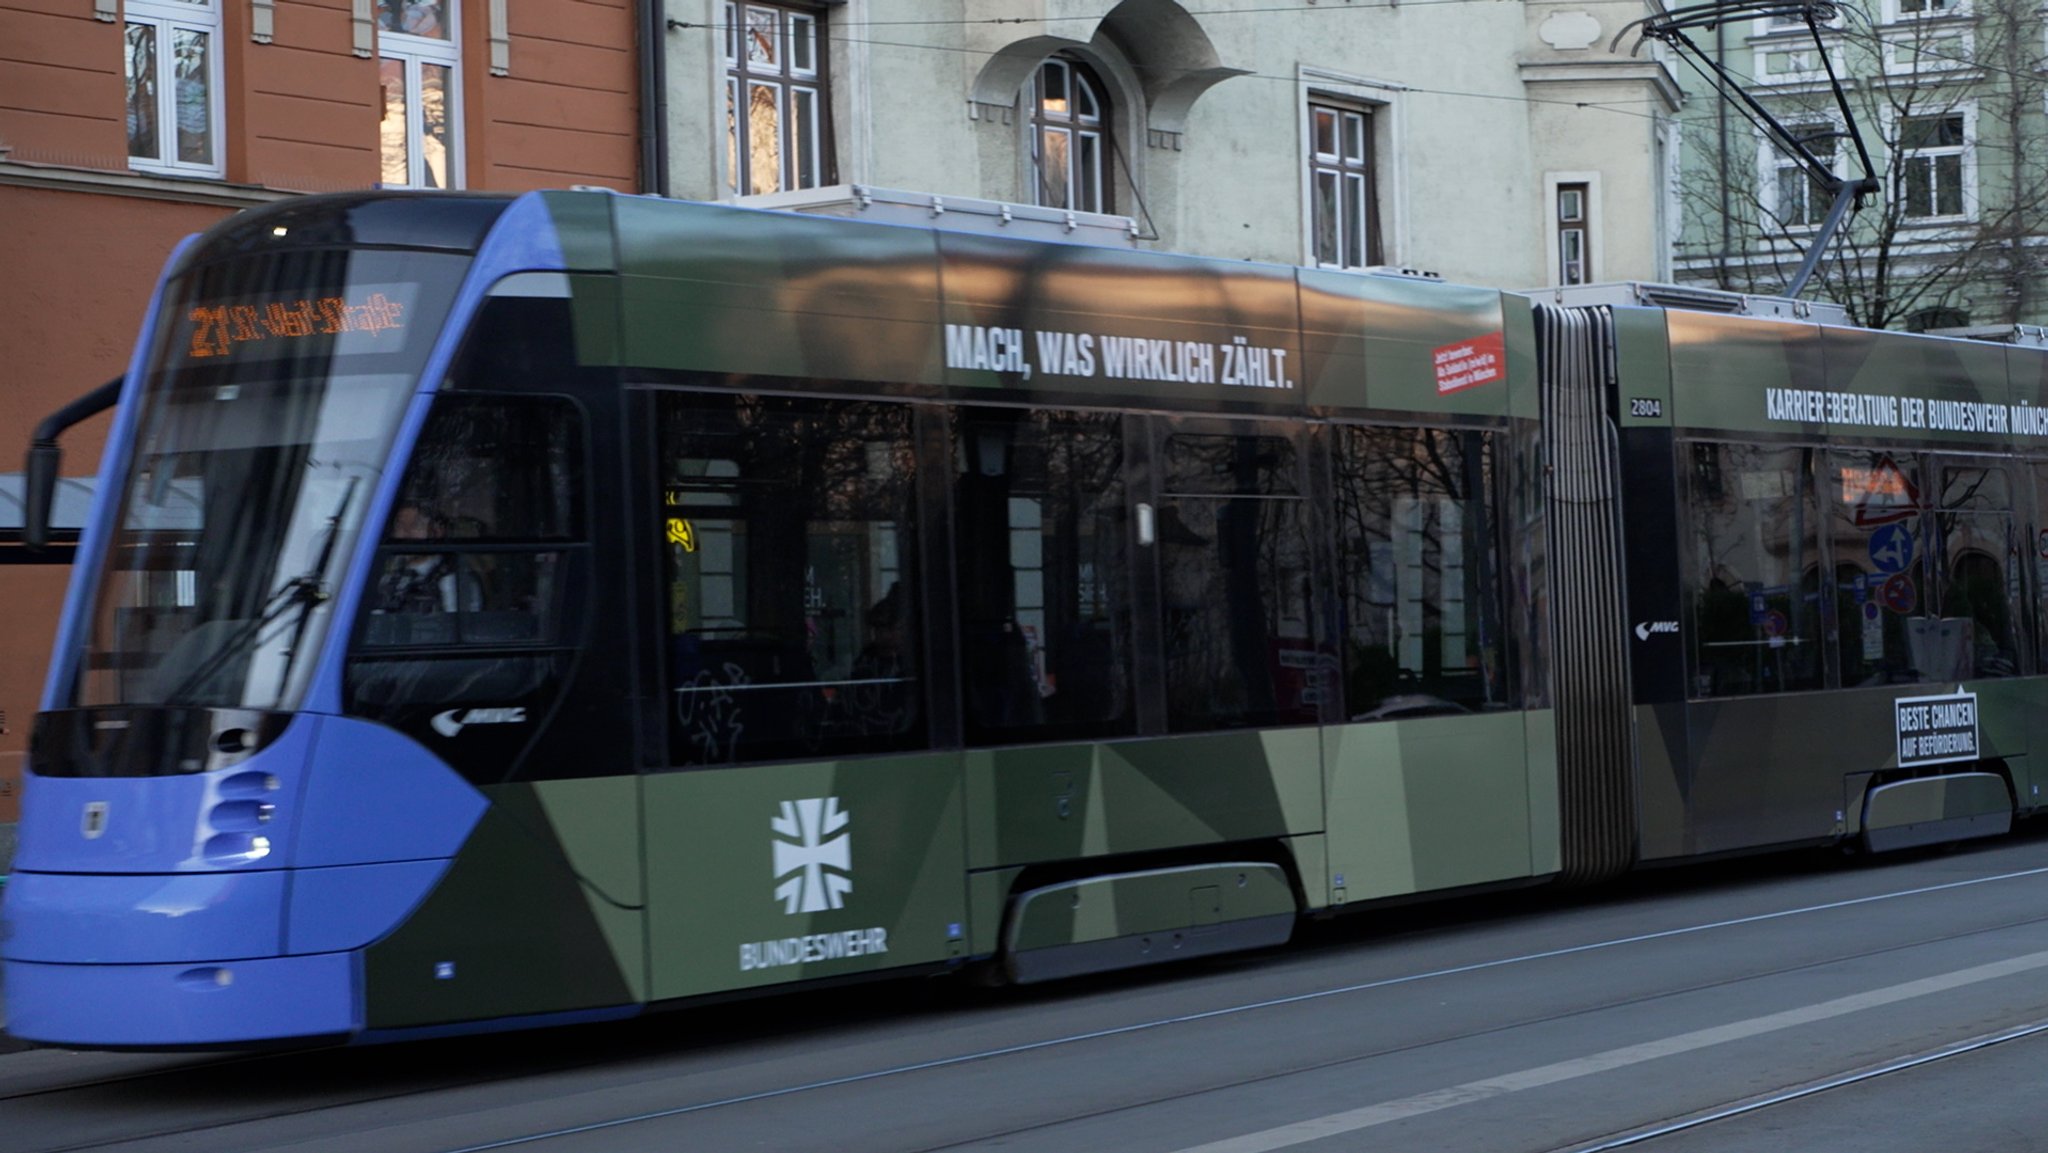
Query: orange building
[126, 125]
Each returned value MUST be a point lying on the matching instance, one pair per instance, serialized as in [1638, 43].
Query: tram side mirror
[39, 492]
[39, 471]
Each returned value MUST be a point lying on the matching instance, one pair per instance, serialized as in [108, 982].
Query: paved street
[1722, 1004]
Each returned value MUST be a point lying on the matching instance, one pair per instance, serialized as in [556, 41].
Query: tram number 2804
[1648, 406]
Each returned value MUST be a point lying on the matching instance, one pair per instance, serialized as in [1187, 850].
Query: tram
[498, 612]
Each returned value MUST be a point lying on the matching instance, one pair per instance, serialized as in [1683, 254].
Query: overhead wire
[1616, 107]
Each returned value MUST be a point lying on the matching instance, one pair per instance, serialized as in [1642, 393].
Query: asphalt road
[1793, 1002]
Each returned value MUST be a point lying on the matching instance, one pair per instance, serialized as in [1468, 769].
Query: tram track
[311, 1066]
[1646, 1135]
[1299, 1069]
[1492, 1031]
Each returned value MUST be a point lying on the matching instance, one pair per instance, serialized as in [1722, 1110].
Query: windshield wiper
[302, 592]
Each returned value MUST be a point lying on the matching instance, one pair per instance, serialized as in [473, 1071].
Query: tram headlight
[240, 819]
[236, 848]
[241, 816]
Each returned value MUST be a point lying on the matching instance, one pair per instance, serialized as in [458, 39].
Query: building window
[1781, 65]
[1069, 137]
[1574, 229]
[774, 98]
[419, 65]
[1927, 50]
[173, 74]
[1346, 227]
[1913, 8]
[1931, 153]
[1800, 198]
[1937, 318]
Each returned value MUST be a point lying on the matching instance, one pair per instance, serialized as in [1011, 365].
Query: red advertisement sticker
[1481, 360]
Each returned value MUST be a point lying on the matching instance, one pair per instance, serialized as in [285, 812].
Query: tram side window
[1976, 582]
[793, 619]
[476, 556]
[1752, 570]
[1875, 523]
[1418, 573]
[1043, 565]
[1923, 580]
[1234, 579]
[2040, 542]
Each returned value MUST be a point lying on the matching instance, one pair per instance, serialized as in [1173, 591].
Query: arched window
[1069, 137]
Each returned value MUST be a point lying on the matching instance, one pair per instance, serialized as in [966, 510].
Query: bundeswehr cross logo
[804, 854]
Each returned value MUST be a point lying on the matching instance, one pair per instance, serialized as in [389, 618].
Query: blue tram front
[225, 806]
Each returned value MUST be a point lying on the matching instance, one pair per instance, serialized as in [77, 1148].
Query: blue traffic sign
[1891, 548]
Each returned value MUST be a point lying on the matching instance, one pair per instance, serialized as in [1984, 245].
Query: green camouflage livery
[664, 885]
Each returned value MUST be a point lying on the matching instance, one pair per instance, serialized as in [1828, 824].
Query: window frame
[1897, 12]
[1966, 176]
[1346, 170]
[1802, 62]
[1903, 51]
[1077, 126]
[737, 76]
[1571, 225]
[167, 18]
[1773, 162]
[1553, 184]
[414, 54]
[1777, 22]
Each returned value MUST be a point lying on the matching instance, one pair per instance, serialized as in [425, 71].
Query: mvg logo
[1647, 629]
[450, 723]
[803, 854]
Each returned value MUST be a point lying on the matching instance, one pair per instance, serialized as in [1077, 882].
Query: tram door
[802, 820]
[1227, 530]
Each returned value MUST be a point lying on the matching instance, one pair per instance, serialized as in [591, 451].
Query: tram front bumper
[164, 961]
[99, 960]
[182, 1005]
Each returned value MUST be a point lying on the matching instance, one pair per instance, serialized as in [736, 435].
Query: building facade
[126, 125]
[1948, 98]
[1489, 143]
[1510, 145]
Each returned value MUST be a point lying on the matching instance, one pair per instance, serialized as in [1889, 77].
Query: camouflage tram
[508, 611]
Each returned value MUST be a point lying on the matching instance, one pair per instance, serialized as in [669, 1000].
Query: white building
[1487, 141]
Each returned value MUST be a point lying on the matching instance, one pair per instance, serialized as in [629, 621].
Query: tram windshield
[272, 392]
